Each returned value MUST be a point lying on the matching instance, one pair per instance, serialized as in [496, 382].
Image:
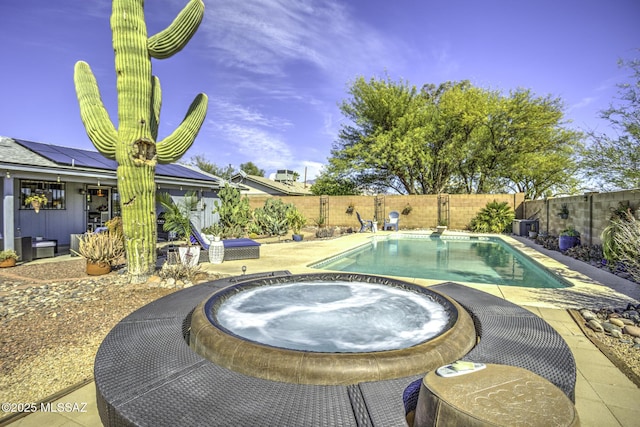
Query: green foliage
[295, 219]
[179, 271]
[134, 144]
[251, 169]
[452, 138]
[205, 165]
[495, 217]
[614, 162]
[8, 254]
[234, 211]
[571, 232]
[272, 217]
[333, 185]
[177, 216]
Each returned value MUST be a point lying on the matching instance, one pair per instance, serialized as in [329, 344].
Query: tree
[614, 162]
[251, 169]
[205, 165]
[452, 137]
[134, 144]
[331, 185]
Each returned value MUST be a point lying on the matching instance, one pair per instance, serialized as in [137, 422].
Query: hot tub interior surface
[398, 329]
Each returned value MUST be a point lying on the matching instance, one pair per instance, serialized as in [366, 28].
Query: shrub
[234, 212]
[103, 247]
[179, 271]
[495, 217]
[8, 254]
[621, 243]
[272, 217]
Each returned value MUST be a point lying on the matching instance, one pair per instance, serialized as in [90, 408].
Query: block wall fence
[588, 213]
[426, 211]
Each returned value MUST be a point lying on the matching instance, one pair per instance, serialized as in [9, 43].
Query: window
[54, 191]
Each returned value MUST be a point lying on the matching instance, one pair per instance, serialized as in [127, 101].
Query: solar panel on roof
[93, 159]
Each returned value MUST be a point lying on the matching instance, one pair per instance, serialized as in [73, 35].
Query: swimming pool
[484, 260]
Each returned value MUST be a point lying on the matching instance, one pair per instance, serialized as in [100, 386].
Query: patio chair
[392, 222]
[364, 224]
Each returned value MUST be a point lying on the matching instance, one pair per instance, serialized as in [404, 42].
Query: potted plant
[350, 209]
[296, 221]
[101, 250]
[36, 200]
[564, 211]
[407, 209]
[568, 238]
[177, 219]
[8, 258]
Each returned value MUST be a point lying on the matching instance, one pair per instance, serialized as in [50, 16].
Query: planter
[216, 251]
[566, 242]
[98, 268]
[36, 206]
[533, 234]
[189, 255]
[9, 262]
[297, 237]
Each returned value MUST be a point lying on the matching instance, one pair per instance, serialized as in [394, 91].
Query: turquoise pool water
[485, 260]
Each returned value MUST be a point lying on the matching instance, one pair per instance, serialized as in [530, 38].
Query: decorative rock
[627, 321]
[636, 340]
[634, 331]
[588, 315]
[609, 327]
[619, 323]
[616, 333]
[595, 325]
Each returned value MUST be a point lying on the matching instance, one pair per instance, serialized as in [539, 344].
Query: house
[81, 188]
[283, 184]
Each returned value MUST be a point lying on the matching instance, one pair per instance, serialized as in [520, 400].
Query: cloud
[584, 102]
[269, 37]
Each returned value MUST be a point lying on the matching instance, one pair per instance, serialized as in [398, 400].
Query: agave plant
[495, 217]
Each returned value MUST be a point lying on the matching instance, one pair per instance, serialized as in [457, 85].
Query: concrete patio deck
[604, 396]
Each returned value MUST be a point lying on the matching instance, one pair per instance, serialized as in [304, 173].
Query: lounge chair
[364, 223]
[392, 222]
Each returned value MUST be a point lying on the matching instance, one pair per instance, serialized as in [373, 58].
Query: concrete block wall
[425, 210]
[589, 213]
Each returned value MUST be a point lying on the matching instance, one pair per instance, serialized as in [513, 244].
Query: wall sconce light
[8, 174]
[58, 178]
[82, 191]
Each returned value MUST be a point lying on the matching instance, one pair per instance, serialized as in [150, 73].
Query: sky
[275, 71]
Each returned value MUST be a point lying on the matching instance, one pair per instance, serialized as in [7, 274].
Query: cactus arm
[172, 39]
[171, 148]
[92, 111]
[156, 105]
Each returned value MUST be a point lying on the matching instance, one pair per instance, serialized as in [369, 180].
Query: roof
[288, 188]
[30, 153]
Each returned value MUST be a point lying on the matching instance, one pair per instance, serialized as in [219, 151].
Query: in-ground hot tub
[330, 328]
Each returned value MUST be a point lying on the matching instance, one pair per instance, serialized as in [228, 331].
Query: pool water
[484, 260]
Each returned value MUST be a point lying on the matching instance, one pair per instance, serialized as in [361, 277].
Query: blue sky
[276, 70]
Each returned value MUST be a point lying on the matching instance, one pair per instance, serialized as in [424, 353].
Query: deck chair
[199, 238]
[364, 224]
[392, 222]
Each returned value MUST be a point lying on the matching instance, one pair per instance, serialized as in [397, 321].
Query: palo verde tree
[614, 161]
[134, 143]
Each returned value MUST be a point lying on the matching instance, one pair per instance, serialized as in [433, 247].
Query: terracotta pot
[36, 206]
[98, 268]
[9, 262]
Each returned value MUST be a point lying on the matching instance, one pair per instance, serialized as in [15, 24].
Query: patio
[603, 395]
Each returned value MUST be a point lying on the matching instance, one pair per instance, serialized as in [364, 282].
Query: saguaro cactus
[133, 145]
